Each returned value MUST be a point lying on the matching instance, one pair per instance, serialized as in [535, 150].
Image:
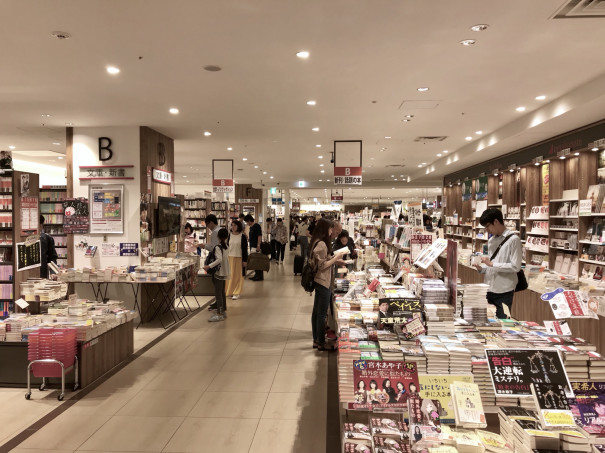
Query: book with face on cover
[468, 408]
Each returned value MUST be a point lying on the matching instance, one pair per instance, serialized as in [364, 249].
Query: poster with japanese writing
[75, 218]
[29, 215]
[28, 255]
[383, 384]
[129, 249]
[467, 190]
[419, 242]
[415, 214]
[588, 406]
[110, 249]
[436, 387]
[514, 370]
[106, 212]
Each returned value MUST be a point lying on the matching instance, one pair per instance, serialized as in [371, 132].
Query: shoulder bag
[211, 258]
[521, 280]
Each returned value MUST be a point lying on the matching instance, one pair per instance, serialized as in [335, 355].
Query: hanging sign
[102, 172]
[161, 176]
[415, 214]
[222, 176]
[106, 213]
[337, 195]
[295, 206]
[347, 162]
[467, 190]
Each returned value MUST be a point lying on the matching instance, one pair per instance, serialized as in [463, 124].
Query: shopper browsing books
[191, 241]
[322, 259]
[238, 256]
[48, 253]
[212, 227]
[281, 239]
[219, 268]
[502, 263]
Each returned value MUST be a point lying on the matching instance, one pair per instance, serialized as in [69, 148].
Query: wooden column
[69, 157]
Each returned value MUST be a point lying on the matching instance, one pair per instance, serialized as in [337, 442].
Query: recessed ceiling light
[244, 158]
[593, 149]
[11, 147]
[184, 176]
[303, 54]
[423, 89]
[256, 166]
[174, 111]
[537, 164]
[392, 176]
[419, 165]
[45, 115]
[69, 124]
[321, 180]
[469, 138]
[445, 151]
[372, 158]
[229, 149]
[478, 132]
[315, 129]
[423, 163]
[328, 180]
[270, 177]
[520, 109]
[468, 42]
[112, 70]
[576, 154]
[392, 188]
[60, 157]
[439, 155]
[322, 171]
[318, 146]
[311, 102]
[321, 165]
[409, 116]
[562, 157]
[207, 134]
[56, 143]
[395, 179]
[387, 137]
[320, 157]
[540, 98]
[264, 173]
[479, 27]
[406, 121]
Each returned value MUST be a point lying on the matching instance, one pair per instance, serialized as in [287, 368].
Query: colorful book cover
[436, 387]
[467, 403]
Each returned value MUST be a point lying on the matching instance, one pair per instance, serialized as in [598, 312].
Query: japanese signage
[103, 172]
[337, 195]
[28, 255]
[161, 176]
[430, 253]
[467, 190]
[249, 200]
[383, 384]
[347, 162]
[29, 215]
[295, 206]
[106, 213]
[481, 188]
[110, 249]
[222, 176]
[76, 217]
[545, 184]
[415, 214]
[418, 242]
[436, 387]
[513, 370]
[399, 310]
[129, 249]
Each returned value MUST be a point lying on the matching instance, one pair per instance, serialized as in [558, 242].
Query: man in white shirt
[500, 270]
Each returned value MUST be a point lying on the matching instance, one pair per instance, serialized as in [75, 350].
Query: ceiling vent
[418, 105]
[581, 8]
[396, 165]
[430, 138]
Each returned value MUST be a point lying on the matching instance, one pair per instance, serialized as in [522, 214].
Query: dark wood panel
[69, 157]
[153, 145]
[492, 189]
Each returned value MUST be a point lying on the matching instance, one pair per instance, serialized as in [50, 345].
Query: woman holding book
[322, 259]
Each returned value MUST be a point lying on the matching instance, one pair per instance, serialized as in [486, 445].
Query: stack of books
[460, 358]
[356, 436]
[437, 357]
[508, 415]
[439, 319]
[526, 440]
[415, 354]
[596, 366]
[480, 371]
[474, 302]
[575, 362]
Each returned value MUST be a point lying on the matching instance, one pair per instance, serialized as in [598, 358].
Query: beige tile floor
[250, 384]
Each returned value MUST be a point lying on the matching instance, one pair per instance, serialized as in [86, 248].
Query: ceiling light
[540, 98]
[56, 143]
[419, 165]
[244, 158]
[576, 154]
[479, 27]
[392, 188]
[406, 121]
[61, 35]
[328, 180]
[69, 124]
[323, 171]
[423, 89]
[409, 116]
[256, 166]
[469, 138]
[207, 134]
[315, 129]
[520, 109]
[387, 137]
[113, 70]
[423, 163]
[478, 132]
[229, 149]
[537, 164]
[60, 157]
[270, 177]
[174, 111]
[45, 115]
[212, 68]
[303, 54]
[264, 173]
[468, 42]
[321, 165]
[392, 176]
[318, 146]
[562, 157]
[11, 147]
[495, 174]
[321, 180]
[311, 102]
[395, 179]
[445, 151]
[439, 155]
[184, 176]
[546, 162]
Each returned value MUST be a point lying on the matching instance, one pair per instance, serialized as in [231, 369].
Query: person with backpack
[238, 256]
[322, 261]
[217, 264]
[48, 253]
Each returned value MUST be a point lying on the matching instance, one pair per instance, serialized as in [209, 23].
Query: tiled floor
[250, 384]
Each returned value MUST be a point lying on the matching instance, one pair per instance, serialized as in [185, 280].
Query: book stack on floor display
[474, 302]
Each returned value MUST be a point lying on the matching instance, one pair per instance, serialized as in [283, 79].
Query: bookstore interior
[103, 227]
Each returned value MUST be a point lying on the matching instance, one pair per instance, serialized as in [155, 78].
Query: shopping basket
[51, 352]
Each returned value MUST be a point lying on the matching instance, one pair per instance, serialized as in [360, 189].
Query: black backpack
[211, 258]
[309, 270]
[265, 248]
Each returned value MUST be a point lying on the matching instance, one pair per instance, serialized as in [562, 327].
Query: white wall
[126, 151]
[50, 175]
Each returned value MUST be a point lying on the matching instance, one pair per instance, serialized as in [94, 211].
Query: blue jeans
[321, 305]
[498, 299]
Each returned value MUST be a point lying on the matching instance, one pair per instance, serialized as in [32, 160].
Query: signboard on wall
[76, 218]
[106, 212]
[161, 176]
[222, 176]
[545, 184]
[29, 215]
[348, 162]
[28, 254]
[106, 172]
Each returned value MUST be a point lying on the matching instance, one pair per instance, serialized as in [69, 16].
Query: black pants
[258, 275]
[219, 295]
[280, 251]
[274, 249]
[498, 299]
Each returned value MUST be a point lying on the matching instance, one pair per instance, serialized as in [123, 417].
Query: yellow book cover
[467, 401]
[437, 388]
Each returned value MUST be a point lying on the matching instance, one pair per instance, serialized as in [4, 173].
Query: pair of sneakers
[217, 317]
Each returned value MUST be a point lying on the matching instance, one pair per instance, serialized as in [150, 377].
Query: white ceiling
[361, 51]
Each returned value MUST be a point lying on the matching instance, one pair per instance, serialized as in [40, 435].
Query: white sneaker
[216, 318]
[235, 297]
